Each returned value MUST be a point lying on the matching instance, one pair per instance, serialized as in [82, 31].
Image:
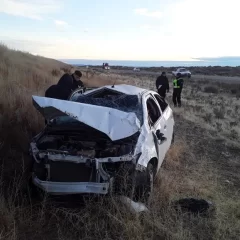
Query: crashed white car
[111, 139]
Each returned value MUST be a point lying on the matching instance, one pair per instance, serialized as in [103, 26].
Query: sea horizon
[201, 62]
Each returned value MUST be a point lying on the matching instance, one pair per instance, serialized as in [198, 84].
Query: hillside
[203, 163]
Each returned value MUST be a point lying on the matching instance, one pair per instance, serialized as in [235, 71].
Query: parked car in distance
[111, 139]
[184, 72]
[106, 66]
[136, 69]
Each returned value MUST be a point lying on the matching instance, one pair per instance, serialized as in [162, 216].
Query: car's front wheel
[135, 184]
[143, 185]
[173, 138]
[35, 192]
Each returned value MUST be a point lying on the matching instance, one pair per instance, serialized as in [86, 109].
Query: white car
[106, 66]
[111, 139]
[184, 72]
[136, 69]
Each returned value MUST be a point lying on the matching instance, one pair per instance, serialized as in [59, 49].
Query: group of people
[162, 86]
[69, 83]
[65, 86]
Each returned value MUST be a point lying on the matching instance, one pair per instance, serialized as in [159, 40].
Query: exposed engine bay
[75, 146]
[78, 163]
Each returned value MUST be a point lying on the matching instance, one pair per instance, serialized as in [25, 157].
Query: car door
[168, 119]
[156, 124]
[184, 71]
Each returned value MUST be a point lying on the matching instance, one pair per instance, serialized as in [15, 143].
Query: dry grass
[198, 165]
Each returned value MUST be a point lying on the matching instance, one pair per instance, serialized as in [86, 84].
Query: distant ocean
[222, 61]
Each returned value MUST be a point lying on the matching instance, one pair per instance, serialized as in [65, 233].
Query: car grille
[72, 172]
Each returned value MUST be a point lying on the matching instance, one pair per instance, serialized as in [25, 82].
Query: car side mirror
[160, 136]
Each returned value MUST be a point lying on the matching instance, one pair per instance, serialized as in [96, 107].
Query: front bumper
[65, 188]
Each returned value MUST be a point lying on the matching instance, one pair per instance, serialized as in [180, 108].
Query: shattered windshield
[107, 98]
[123, 102]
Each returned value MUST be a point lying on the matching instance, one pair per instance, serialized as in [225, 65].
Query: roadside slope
[21, 76]
[201, 164]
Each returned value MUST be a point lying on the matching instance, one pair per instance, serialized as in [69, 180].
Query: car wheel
[189, 75]
[35, 192]
[143, 184]
[173, 138]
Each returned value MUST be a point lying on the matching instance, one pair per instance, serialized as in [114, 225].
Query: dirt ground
[203, 162]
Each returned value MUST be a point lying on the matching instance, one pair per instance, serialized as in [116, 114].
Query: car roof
[123, 88]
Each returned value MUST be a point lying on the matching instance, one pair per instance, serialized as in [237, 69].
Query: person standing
[177, 90]
[162, 85]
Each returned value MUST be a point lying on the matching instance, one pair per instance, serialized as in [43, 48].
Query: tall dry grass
[184, 173]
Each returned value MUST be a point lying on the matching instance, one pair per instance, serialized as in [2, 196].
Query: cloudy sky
[122, 30]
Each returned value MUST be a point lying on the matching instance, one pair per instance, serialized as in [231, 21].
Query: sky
[123, 29]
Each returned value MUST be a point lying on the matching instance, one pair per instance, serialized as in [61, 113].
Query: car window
[153, 111]
[163, 105]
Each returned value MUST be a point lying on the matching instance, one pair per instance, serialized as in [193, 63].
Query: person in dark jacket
[77, 80]
[177, 90]
[74, 79]
[65, 86]
[162, 85]
[62, 89]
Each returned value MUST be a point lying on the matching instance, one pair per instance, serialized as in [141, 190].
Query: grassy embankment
[203, 162]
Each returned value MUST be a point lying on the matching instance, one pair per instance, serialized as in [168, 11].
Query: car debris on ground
[194, 206]
[134, 207]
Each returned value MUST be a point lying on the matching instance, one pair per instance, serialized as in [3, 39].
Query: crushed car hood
[114, 123]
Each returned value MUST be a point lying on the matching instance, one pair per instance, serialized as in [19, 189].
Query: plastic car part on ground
[134, 207]
[193, 205]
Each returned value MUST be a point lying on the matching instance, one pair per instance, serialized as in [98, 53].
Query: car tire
[144, 184]
[173, 138]
[137, 185]
[35, 192]
[189, 75]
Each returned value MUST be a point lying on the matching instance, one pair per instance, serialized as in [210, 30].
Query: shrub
[238, 95]
[208, 117]
[66, 70]
[204, 81]
[233, 124]
[210, 89]
[56, 72]
[219, 113]
[233, 134]
[234, 91]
